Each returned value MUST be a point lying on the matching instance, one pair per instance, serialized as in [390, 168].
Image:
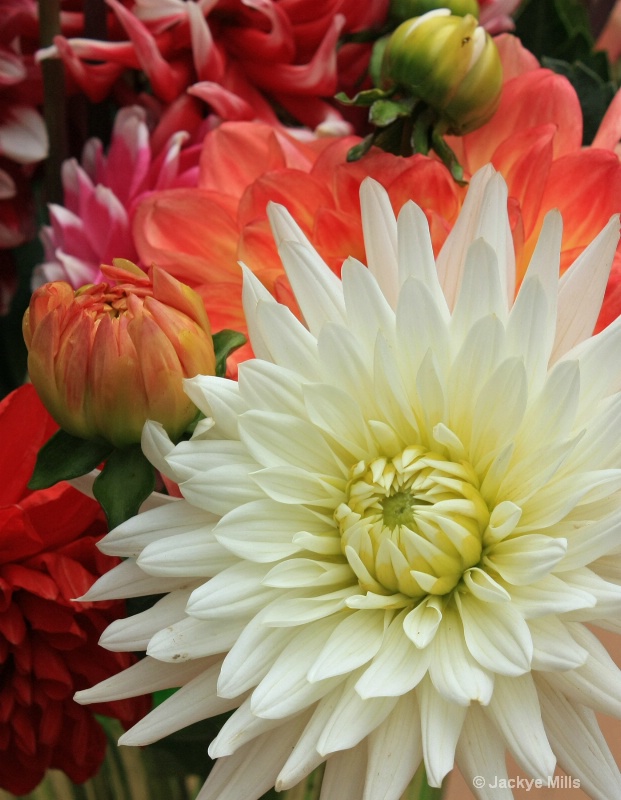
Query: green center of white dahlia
[412, 523]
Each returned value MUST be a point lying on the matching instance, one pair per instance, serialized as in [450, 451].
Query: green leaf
[163, 694]
[383, 112]
[125, 482]
[555, 28]
[64, 457]
[224, 343]
[594, 91]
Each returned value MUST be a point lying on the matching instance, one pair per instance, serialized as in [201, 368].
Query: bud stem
[446, 154]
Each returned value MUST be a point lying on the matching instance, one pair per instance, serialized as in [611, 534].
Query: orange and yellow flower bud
[107, 357]
[449, 62]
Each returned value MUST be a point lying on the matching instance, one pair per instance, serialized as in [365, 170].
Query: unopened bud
[108, 357]
[450, 63]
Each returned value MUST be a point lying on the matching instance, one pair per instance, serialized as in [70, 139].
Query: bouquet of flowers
[311, 322]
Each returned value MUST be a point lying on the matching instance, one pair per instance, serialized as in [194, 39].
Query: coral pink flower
[49, 642]
[535, 141]
[610, 37]
[240, 56]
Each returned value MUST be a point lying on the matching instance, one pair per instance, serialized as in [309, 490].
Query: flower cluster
[326, 305]
[241, 58]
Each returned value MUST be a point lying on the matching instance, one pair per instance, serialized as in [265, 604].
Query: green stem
[419, 789]
[446, 154]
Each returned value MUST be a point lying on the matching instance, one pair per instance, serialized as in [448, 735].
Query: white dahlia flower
[396, 524]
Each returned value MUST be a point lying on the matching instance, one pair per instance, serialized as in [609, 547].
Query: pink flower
[239, 56]
[94, 224]
[495, 15]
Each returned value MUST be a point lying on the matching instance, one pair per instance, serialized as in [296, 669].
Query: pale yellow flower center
[412, 524]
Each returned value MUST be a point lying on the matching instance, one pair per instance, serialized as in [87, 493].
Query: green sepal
[64, 457]
[124, 483]
[224, 343]
[364, 98]
[385, 111]
[358, 150]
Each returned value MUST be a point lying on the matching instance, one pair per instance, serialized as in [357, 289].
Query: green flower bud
[406, 9]
[449, 62]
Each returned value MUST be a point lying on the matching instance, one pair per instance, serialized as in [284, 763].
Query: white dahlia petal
[396, 524]
[395, 751]
[240, 728]
[128, 580]
[581, 290]
[380, 238]
[193, 638]
[453, 671]
[253, 769]
[146, 675]
[133, 633]
[254, 293]
[441, 723]
[481, 754]
[353, 719]
[130, 538]
[397, 668]
[285, 689]
[514, 709]
[416, 255]
[554, 648]
[579, 745]
[196, 553]
[289, 342]
[496, 635]
[218, 399]
[194, 701]
[343, 778]
[352, 643]
[319, 290]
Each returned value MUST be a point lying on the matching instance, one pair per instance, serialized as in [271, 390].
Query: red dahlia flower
[48, 642]
[241, 57]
